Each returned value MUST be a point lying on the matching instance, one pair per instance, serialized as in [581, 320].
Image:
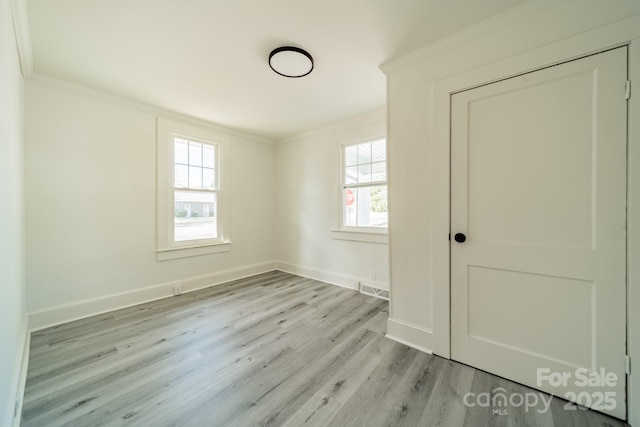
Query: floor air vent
[374, 290]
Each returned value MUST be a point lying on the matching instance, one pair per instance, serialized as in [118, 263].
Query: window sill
[381, 237]
[175, 253]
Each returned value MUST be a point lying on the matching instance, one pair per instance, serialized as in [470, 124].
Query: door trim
[457, 76]
[554, 266]
[633, 234]
[548, 56]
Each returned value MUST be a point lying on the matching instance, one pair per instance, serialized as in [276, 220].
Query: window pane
[378, 216]
[208, 156]
[364, 209]
[181, 178]
[379, 150]
[180, 151]
[350, 155]
[351, 175]
[364, 153]
[195, 154]
[350, 206]
[365, 206]
[195, 177]
[365, 164]
[379, 171]
[209, 179]
[364, 173]
[194, 216]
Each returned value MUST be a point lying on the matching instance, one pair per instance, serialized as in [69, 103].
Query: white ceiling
[208, 58]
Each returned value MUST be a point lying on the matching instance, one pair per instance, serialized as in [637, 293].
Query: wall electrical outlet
[177, 289]
[374, 275]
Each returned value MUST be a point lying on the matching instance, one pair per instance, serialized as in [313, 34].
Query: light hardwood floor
[270, 350]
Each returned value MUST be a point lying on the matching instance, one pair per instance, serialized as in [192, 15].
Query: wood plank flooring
[270, 350]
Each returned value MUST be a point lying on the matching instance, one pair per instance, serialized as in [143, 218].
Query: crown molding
[141, 106]
[23, 37]
[377, 116]
[478, 31]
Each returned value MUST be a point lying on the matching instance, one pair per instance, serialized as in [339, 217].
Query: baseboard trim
[11, 417]
[330, 277]
[22, 379]
[52, 316]
[410, 334]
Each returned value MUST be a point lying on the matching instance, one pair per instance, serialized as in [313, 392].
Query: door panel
[538, 185]
[521, 296]
[523, 152]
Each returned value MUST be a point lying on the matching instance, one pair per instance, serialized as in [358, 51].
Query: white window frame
[166, 246]
[360, 233]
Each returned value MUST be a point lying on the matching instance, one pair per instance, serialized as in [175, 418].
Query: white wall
[418, 195]
[308, 207]
[90, 174]
[12, 294]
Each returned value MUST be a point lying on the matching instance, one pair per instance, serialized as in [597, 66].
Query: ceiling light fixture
[289, 61]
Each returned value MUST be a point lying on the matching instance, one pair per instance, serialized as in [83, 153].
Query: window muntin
[194, 165]
[195, 191]
[364, 185]
[193, 207]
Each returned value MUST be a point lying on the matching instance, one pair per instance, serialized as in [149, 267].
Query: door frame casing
[592, 42]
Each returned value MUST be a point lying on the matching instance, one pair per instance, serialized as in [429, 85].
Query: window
[364, 186]
[192, 203]
[195, 190]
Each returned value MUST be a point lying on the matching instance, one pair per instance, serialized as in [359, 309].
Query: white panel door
[538, 187]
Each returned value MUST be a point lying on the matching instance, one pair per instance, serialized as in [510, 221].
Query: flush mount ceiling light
[290, 61]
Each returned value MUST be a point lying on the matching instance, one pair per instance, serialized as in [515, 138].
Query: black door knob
[460, 238]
